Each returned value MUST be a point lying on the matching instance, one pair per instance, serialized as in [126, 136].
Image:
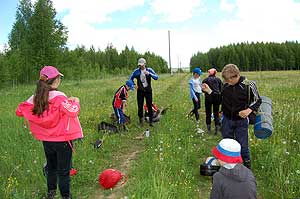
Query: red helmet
[109, 178]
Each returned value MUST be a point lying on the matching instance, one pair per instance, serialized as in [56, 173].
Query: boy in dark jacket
[234, 180]
[237, 93]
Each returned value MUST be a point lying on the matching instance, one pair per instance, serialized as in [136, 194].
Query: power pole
[169, 51]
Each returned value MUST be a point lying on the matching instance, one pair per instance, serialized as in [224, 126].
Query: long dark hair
[41, 95]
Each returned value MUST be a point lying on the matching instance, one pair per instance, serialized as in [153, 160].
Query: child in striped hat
[233, 180]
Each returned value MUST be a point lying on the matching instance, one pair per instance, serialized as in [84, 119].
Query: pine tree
[19, 43]
[48, 36]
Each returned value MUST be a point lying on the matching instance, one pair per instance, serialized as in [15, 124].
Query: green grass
[165, 165]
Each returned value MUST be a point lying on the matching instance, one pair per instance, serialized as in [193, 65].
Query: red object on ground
[109, 178]
[73, 172]
[154, 107]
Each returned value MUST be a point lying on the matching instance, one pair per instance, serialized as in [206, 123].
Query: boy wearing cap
[195, 92]
[213, 101]
[119, 103]
[49, 112]
[233, 180]
[143, 75]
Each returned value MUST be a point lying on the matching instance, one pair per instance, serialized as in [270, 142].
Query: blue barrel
[263, 127]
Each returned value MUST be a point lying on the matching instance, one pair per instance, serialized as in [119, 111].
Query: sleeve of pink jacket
[70, 107]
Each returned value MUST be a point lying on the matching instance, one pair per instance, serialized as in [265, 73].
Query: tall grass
[167, 165]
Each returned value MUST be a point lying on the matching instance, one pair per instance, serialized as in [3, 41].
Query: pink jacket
[59, 123]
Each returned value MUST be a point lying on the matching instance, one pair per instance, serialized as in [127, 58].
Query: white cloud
[226, 6]
[266, 20]
[145, 19]
[253, 20]
[93, 11]
[176, 10]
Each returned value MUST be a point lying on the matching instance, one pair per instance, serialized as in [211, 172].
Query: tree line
[251, 56]
[37, 38]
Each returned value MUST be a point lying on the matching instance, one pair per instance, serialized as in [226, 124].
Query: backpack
[262, 119]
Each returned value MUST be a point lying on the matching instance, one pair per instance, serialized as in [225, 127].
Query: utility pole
[169, 51]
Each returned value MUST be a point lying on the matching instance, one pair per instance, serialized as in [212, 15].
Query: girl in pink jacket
[53, 119]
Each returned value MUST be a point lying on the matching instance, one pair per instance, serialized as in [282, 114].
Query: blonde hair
[229, 71]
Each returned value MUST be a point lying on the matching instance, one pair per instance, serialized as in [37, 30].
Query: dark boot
[67, 197]
[247, 163]
[51, 194]
[141, 122]
[208, 128]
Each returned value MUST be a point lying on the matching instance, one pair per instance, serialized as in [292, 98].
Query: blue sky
[195, 25]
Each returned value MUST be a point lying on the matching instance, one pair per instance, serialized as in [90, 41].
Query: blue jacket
[136, 74]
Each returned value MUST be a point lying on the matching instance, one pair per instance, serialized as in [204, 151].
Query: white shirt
[143, 78]
[197, 85]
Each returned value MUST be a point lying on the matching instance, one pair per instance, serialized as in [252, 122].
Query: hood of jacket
[237, 173]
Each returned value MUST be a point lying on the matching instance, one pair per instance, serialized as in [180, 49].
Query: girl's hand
[206, 88]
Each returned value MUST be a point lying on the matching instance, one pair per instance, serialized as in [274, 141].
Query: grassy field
[165, 165]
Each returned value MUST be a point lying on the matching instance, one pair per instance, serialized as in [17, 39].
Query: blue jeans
[238, 130]
[120, 115]
[59, 160]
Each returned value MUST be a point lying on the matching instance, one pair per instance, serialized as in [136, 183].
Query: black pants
[140, 101]
[212, 101]
[197, 105]
[59, 160]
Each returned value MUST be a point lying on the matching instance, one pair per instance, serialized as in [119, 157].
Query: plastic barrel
[263, 127]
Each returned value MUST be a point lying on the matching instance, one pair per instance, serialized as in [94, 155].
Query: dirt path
[126, 160]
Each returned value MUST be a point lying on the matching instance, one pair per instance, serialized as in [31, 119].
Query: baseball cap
[50, 72]
[198, 71]
[141, 61]
[130, 84]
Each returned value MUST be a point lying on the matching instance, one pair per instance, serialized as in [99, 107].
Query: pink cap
[50, 72]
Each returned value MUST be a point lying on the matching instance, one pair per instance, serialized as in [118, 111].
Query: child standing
[119, 103]
[213, 100]
[233, 180]
[53, 119]
[195, 92]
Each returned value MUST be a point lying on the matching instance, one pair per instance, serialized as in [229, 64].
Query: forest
[251, 56]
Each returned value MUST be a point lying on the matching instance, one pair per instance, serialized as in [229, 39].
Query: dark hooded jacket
[236, 183]
[235, 98]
